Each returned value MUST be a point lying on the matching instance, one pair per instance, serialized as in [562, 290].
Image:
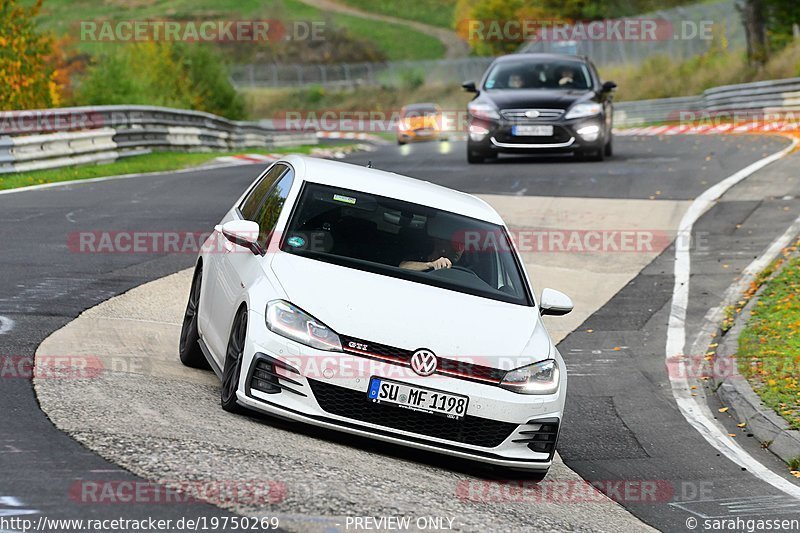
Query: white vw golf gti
[378, 305]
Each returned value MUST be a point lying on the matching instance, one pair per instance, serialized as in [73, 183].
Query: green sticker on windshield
[295, 241]
[345, 199]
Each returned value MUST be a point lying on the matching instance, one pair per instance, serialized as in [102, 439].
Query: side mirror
[609, 86]
[555, 303]
[469, 86]
[243, 233]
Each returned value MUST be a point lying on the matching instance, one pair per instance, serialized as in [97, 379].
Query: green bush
[187, 76]
[412, 79]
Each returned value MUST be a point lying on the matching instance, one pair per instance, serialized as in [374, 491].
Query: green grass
[769, 346]
[155, 162]
[661, 76]
[434, 12]
[64, 17]
[270, 103]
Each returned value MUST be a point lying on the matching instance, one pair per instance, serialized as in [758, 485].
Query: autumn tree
[26, 75]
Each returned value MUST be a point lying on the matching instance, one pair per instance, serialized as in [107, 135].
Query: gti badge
[423, 362]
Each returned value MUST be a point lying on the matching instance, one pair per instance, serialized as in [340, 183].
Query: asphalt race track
[621, 421]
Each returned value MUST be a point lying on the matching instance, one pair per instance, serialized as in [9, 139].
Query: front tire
[609, 148]
[189, 348]
[473, 158]
[233, 363]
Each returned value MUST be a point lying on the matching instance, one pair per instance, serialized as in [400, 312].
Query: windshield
[558, 75]
[405, 240]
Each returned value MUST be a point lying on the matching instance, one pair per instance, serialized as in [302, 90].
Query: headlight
[538, 378]
[586, 109]
[484, 111]
[291, 322]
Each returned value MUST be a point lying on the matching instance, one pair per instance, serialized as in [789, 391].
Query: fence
[771, 96]
[391, 73]
[50, 138]
[685, 24]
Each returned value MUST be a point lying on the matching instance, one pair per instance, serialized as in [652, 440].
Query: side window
[250, 204]
[269, 211]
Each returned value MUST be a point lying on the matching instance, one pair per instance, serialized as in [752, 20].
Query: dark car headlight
[483, 111]
[584, 109]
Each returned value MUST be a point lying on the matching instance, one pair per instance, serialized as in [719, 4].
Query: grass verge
[434, 12]
[155, 162]
[272, 103]
[396, 41]
[661, 76]
[769, 345]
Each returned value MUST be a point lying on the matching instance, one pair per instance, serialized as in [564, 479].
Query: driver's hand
[442, 262]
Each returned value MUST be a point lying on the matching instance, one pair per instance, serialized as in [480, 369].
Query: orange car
[419, 122]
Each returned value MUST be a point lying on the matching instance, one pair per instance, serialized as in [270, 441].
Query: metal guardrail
[51, 138]
[773, 96]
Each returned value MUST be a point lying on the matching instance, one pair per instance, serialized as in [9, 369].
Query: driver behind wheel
[443, 251]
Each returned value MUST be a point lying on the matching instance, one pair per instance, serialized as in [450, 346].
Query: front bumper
[568, 136]
[422, 135]
[329, 390]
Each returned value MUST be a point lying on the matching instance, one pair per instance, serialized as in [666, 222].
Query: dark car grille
[354, 405]
[518, 115]
[400, 356]
[560, 135]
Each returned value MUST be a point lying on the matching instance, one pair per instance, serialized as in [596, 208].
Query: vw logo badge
[423, 362]
[532, 113]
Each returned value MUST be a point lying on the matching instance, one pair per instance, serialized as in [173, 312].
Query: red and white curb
[350, 135]
[709, 129]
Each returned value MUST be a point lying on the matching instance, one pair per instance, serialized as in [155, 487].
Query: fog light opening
[589, 133]
[477, 133]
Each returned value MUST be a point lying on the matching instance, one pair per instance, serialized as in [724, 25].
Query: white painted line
[693, 412]
[6, 325]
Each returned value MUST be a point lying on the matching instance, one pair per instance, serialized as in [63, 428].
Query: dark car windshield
[399, 239]
[527, 75]
[419, 110]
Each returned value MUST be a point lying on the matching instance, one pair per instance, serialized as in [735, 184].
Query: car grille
[518, 115]
[448, 367]
[354, 405]
[560, 135]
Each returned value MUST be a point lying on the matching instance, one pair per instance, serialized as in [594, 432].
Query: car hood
[535, 98]
[409, 315]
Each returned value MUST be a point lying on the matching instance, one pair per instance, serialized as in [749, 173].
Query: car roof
[424, 105]
[540, 57]
[389, 184]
